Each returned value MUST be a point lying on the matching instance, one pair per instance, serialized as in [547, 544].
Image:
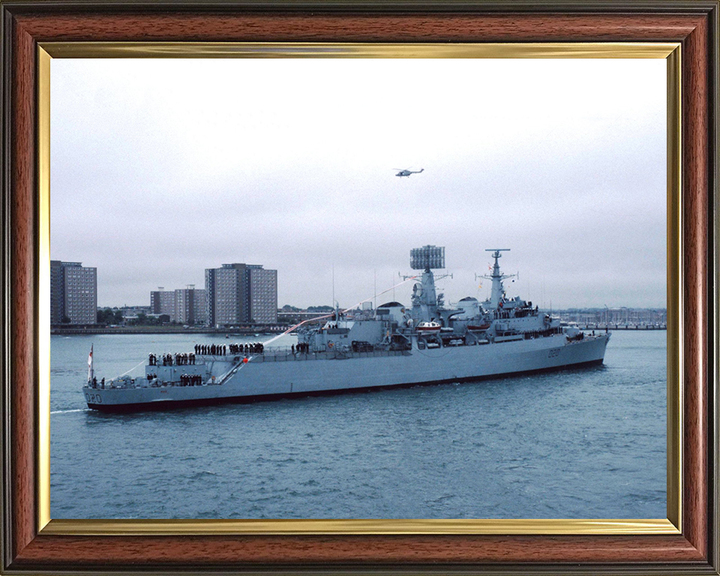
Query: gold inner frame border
[670, 51]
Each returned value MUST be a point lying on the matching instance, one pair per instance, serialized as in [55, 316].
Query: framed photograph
[587, 129]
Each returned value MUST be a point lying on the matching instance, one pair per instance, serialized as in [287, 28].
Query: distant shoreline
[274, 329]
[76, 331]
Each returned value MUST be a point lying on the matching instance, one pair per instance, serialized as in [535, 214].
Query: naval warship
[426, 343]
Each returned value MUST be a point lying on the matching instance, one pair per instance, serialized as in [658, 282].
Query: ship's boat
[429, 328]
[356, 350]
[477, 327]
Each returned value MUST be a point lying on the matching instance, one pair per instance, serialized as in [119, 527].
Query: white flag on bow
[91, 372]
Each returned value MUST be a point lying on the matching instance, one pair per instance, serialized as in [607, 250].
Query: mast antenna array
[496, 268]
[427, 257]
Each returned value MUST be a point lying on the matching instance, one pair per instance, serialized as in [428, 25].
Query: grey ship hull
[268, 376]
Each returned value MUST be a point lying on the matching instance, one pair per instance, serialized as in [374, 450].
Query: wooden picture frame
[29, 546]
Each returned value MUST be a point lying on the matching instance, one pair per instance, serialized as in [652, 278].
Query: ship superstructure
[397, 346]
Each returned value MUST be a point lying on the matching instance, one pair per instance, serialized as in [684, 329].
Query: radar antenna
[427, 257]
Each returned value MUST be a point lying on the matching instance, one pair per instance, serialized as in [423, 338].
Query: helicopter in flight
[406, 172]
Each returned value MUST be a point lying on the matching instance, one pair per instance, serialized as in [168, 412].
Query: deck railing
[273, 355]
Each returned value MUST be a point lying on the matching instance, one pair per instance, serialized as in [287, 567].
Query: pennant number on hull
[93, 398]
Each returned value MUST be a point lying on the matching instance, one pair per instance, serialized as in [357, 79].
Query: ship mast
[497, 278]
[424, 298]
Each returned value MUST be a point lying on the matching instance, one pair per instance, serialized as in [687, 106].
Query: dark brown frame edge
[25, 23]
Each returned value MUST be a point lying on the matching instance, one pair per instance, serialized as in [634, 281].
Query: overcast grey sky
[162, 168]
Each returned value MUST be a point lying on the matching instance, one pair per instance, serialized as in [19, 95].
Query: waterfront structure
[226, 295]
[162, 302]
[190, 306]
[134, 310]
[182, 305]
[262, 295]
[618, 318]
[427, 343]
[73, 293]
[240, 293]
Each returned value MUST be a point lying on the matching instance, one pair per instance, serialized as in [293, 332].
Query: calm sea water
[587, 443]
